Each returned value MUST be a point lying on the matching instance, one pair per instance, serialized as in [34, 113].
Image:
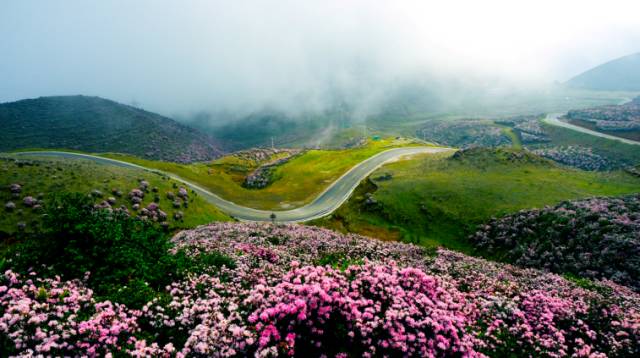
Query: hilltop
[621, 74]
[94, 124]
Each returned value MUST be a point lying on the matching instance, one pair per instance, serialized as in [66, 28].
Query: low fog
[184, 58]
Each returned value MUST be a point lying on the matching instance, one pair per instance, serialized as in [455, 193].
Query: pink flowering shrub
[53, 317]
[263, 292]
[369, 310]
[593, 238]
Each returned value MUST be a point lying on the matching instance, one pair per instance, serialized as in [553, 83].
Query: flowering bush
[9, 206]
[528, 128]
[365, 311]
[127, 258]
[15, 188]
[576, 156]
[58, 318]
[263, 292]
[528, 138]
[594, 238]
[29, 201]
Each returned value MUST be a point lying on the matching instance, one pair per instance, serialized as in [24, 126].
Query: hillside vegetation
[596, 238]
[618, 154]
[28, 184]
[292, 184]
[569, 147]
[621, 120]
[93, 124]
[439, 200]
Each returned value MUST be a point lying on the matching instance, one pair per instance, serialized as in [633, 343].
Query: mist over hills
[621, 74]
[94, 124]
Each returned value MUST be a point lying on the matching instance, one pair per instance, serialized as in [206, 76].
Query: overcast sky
[182, 56]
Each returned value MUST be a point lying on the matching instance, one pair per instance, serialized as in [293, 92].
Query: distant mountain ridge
[621, 74]
[95, 124]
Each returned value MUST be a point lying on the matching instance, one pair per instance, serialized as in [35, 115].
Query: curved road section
[554, 119]
[328, 201]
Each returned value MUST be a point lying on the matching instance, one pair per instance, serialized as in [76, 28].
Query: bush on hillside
[576, 156]
[595, 238]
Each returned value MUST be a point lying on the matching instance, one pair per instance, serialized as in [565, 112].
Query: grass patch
[588, 284]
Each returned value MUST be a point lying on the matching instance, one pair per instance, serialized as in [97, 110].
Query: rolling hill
[622, 74]
[94, 124]
[29, 183]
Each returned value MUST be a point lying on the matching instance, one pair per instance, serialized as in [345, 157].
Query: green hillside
[94, 124]
[41, 178]
[439, 200]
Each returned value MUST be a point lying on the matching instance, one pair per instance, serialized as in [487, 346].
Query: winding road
[324, 204]
[554, 119]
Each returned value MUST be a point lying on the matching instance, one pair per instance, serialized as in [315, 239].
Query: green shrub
[338, 260]
[127, 259]
[202, 263]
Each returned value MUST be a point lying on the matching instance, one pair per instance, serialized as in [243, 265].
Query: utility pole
[272, 145]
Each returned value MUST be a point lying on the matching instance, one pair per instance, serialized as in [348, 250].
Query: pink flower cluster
[369, 310]
[56, 318]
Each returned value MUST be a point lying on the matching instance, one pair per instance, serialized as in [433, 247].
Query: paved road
[328, 201]
[554, 119]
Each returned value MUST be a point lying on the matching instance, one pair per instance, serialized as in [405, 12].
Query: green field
[42, 177]
[440, 200]
[295, 183]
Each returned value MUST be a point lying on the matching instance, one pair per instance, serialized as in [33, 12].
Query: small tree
[273, 218]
